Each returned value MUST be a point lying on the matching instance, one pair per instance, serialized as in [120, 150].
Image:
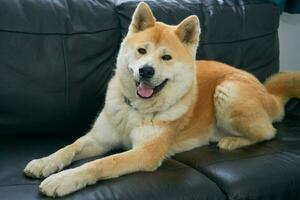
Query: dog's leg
[98, 141]
[251, 130]
[145, 156]
[241, 115]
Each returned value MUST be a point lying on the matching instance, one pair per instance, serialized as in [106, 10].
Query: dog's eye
[142, 51]
[166, 57]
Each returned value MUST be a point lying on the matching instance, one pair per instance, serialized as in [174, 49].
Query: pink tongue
[144, 90]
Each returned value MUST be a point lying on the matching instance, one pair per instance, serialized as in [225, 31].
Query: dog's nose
[146, 71]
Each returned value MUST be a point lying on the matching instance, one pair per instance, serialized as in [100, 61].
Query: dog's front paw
[65, 182]
[46, 166]
[40, 168]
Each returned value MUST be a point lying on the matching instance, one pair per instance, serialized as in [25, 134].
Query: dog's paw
[232, 143]
[63, 183]
[43, 167]
[40, 168]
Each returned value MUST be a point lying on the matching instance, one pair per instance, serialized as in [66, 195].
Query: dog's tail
[283, 86]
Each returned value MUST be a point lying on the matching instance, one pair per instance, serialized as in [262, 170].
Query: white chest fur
[123, 117]
[126, 118]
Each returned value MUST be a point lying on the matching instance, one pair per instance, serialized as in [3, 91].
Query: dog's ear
[142, 18]
[188, 30]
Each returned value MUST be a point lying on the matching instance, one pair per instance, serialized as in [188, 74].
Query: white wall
[289, 37]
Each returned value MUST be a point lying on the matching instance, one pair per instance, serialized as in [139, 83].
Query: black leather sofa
[56, 58]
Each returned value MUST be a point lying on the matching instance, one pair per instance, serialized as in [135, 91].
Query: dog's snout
[146, 71]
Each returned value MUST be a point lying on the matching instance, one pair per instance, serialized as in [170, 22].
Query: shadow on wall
[289, 36]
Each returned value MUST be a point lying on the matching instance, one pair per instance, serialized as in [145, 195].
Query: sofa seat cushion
[269, 170]
[173, 180]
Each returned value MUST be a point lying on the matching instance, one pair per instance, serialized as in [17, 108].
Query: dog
[161, 101]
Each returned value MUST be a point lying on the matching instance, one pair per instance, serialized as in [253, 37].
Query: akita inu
[161, 102]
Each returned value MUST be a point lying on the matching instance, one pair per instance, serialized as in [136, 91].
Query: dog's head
[156, 61]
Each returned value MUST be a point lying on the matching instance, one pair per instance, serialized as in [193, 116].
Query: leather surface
[57, 17]
[161, 184]
[56, 58]
[53, 84]
[269, 170]
[242, 20]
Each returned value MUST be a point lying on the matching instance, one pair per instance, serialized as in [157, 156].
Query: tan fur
[283, 86]
[202, 101]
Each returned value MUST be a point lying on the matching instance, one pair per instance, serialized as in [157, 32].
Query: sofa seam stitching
[59, 34]
[66, 66]
[204, 174]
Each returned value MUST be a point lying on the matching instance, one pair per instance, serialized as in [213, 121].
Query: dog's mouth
[146, 90]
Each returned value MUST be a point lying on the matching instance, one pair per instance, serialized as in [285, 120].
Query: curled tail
[283, 86]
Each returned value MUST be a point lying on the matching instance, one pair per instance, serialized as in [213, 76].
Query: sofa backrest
[56, 57]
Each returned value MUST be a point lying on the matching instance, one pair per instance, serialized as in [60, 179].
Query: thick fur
[202, 101]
